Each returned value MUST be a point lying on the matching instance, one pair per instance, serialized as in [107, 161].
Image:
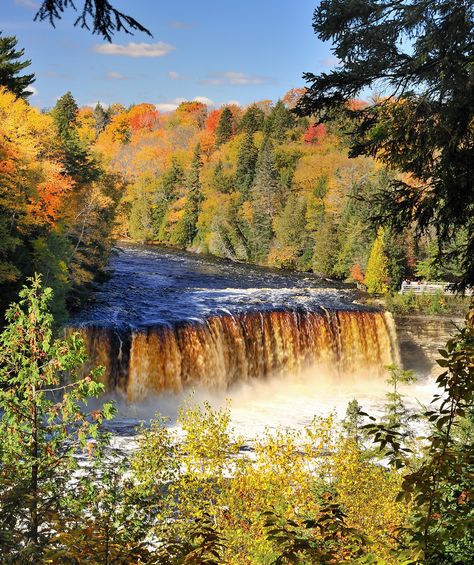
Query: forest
[367, 192]
[255, 184]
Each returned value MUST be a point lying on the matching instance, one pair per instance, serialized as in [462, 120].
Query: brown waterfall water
[282, 346]
[220, 350]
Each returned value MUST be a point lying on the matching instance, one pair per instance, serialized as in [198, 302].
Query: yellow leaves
[368, 491]
[24, 130]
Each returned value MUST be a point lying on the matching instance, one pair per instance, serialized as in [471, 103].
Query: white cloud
[234, 78]
[135, 49]
[33, 90]
[171, 105]
[94, 104]
[204, 100]
[174, 75]
[112, 75]
[27, 3]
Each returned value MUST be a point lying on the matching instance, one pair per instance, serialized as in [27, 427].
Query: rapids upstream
[282, 346]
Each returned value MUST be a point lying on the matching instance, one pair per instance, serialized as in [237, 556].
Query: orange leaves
[29, 167]
[192, 113]
[143, 117]
[293, 96]
[45, 205]
[213, 120]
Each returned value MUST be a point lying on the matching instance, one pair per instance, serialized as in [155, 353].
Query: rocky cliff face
[420, 337]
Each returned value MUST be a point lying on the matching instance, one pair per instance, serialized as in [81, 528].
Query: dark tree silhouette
[98, 16]
[420, 55]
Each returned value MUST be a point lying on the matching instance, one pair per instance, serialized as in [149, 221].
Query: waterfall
[227, 349]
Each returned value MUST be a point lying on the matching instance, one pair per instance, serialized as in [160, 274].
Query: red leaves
[315, 133]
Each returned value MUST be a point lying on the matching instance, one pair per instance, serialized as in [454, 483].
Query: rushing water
[283, 346]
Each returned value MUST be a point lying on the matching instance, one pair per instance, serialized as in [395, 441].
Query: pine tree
[246, 164]
[11, 66]
[419, 54]
[278, 122]
[65, 114]
[186, 230]
[220, 181]
[78, 161]
[140, 222]
[225, 127]
[252, 120]
[263, 195]
[170, 184]
[376, 276]
[325, 245]
[102, 118]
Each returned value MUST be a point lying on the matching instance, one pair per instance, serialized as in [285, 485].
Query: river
[281, 346]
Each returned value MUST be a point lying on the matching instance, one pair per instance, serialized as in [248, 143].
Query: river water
[281, 347]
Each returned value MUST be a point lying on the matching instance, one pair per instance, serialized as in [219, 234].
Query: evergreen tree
[186, 230]
[225, 127]
[11, 67]
[278, 122]
[140, 223]
[78, 161]
[220, 181]
[290, 225]
[376, 276]
[419, 54]
[263, 196]
[252, 120]
[65, 114]
[170, 184]
[325, 245]
[102, 118]
[353, 421]
[396, 414]
[246, 164]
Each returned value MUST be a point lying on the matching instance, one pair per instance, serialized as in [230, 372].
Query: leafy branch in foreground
[322, 540]
[441, 486]
[42, 424]
[106, 20]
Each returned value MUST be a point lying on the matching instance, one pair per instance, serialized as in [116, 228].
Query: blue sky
[219, 51]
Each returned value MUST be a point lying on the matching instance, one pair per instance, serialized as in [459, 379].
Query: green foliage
[418, 53]
[225, 127]
[11, 67]
[427, 304]
[42, 424]
[396, 414]
[246, 165]
[323, 540]
[264, 194]
[186, 229]
[376, 276]
[101, 15]
[221, 181]
[253, 120]
[78, 161]
[440, 486]
[140, 223]
[278, 122]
